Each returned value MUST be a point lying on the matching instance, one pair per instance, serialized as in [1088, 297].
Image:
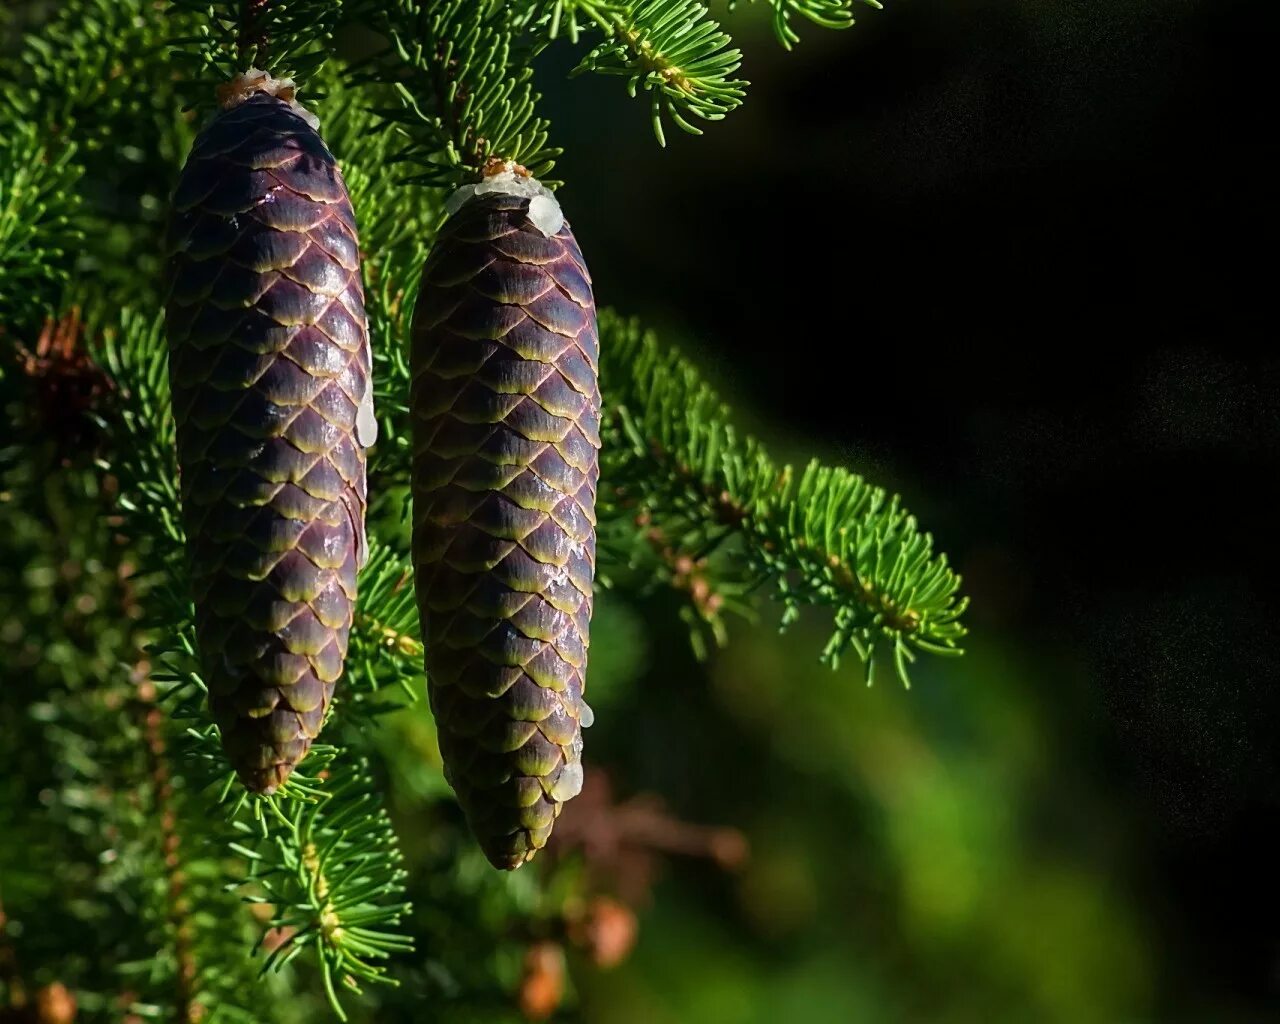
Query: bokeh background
[1009, 259]
[1005, 258]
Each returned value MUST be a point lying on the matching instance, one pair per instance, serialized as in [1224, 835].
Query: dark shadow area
[1011, 260]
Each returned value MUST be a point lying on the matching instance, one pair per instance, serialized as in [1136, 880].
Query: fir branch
[821, 536]
[464, 88]
[286, 38]
[253, 39]
[84, 66]
[832, 14]
[386, 647]
[331, 870]
[568, 18]
[671, 49]
[39, 205]
[322, 811]
[106, 848]
[689, 503]
[94, 76]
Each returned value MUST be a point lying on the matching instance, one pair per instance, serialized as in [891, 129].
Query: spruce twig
[179, 907]
[818, 537]
[464, 89]
[830, 14]
[672, 49]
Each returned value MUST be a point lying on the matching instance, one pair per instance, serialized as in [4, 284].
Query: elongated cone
[270, 368]
[506, 414]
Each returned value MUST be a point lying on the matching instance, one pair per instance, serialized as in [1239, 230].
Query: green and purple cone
[270, 372]
[506, 432]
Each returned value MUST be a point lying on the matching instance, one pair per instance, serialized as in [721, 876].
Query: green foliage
[321, 848]
[94, 83]
[385, 649]
[330, 869]
[674, 51]
[464, 86]
[290, 39]
[83, 63]
[38, 225]
[103, 864]
[832, 14]
[681, 487]
[687, 502]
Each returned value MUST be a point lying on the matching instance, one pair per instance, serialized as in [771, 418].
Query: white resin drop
[569, 783]
[253, 81]
[544, 212]
[366, 421]
[586, 717]
[545, 215]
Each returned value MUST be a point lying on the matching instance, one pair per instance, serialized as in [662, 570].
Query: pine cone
[270, 368]
[506, 414]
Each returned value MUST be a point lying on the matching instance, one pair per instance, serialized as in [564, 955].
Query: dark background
[1011, 260]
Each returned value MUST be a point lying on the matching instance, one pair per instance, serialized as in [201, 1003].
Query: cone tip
[544, 211]
[252, 81]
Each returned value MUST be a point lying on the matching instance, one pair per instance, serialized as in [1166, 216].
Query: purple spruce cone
[506, 430]
[270, 372]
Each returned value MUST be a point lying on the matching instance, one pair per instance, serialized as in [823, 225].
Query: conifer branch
[832, 14]
[688, 502]
[143, 912]
[252, 39]
[333, 809]
[38, 209]
[821, 536]
[286, 38]
[464, 87]
[149, 803]
[671, 49]
[331, 870]
[178, 901]
[95, 86]
[84, 63]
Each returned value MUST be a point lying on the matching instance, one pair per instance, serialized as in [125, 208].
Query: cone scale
[270, 374]
[505, 406]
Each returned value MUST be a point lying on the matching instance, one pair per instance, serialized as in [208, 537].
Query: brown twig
[687, 573]
[623, 842]
[179, 909]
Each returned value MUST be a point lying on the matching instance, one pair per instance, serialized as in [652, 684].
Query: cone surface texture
[270, 367]
[506, 416]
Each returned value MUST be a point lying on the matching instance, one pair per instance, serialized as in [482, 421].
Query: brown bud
[729, 848]
[606, 931]
[542, 982]
[277, 937]
[55, 1004]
